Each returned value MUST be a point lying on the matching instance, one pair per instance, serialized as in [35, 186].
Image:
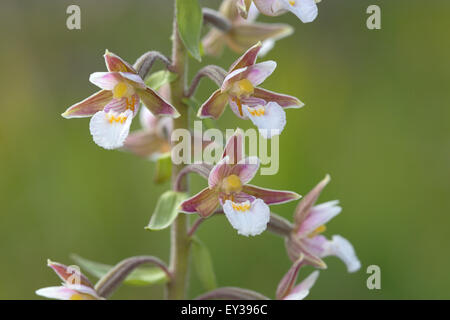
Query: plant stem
[180, 243]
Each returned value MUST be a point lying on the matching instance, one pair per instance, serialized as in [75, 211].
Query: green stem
[180, 243]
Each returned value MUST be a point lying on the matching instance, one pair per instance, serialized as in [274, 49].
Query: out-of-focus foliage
[376, 119]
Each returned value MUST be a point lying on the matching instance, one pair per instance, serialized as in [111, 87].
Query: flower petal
[234, 107]
[242, 197]
[87, 293]
[89, 106]
[287, 282]
[270, 119]
[204, 203]
[256, 74]
[318, 216]
[156, 104]
[109, 130]
[270, 196]
[246, 169]
[303, 208]
[302, 290]
[60, 293]
[253, 101]
[219, 171]
[234, 148]
[267, 45]
[108, 80]
[147, 119]
[114, 63]
[249, 219]
[243, 35]
[296, 248]
[213, 42]
[70, 275]
[247, 59]
[269, 7]
[243, 7]
[105, 80]
[69, 292]
[214, 106]
[282, 99]
[343, 249]
[134, 79]
[305, 10]
[146, 144]
[116, 105]
[121, 105]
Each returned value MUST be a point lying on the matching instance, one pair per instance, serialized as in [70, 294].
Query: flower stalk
[144, 63]
[110, 281]
[180, 241]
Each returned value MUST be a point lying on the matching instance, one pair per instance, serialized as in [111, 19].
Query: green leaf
[166, 210]
[190, 21]
[140, 277]
[203, 264]
[160, 78]
[163, 168]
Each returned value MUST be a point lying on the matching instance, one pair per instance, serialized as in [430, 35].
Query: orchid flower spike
[75, 286]
[305, 10]
[239, 88]
[245, 206]
[287, 290]
[244, 32]
[113, 108]
[309, 223]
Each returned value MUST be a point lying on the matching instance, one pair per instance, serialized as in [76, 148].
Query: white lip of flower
[270, 119]
[343, 249]
[248, 218]
[110, 129]
[305, 10]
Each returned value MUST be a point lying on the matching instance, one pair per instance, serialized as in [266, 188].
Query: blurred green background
[376, 118]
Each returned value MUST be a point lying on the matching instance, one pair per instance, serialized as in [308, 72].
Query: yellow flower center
[232, 184]
[318, 230]
[292, 2]
[241, 206]
[130, 104]
[122, 89]
[246, 87]
[112, 118]
[257, 111]
[242, 88]
[76, 296]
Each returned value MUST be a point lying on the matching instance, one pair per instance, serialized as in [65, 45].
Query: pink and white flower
[245, 31]
[75, 286]
[305, 10]
[309, 223]
[287, 290]
[245, 206]
[240, 90]
[113, 108]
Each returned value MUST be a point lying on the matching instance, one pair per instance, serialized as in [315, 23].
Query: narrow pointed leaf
[166, 210]
[203, 264]
[190, 21]
[140, 277]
